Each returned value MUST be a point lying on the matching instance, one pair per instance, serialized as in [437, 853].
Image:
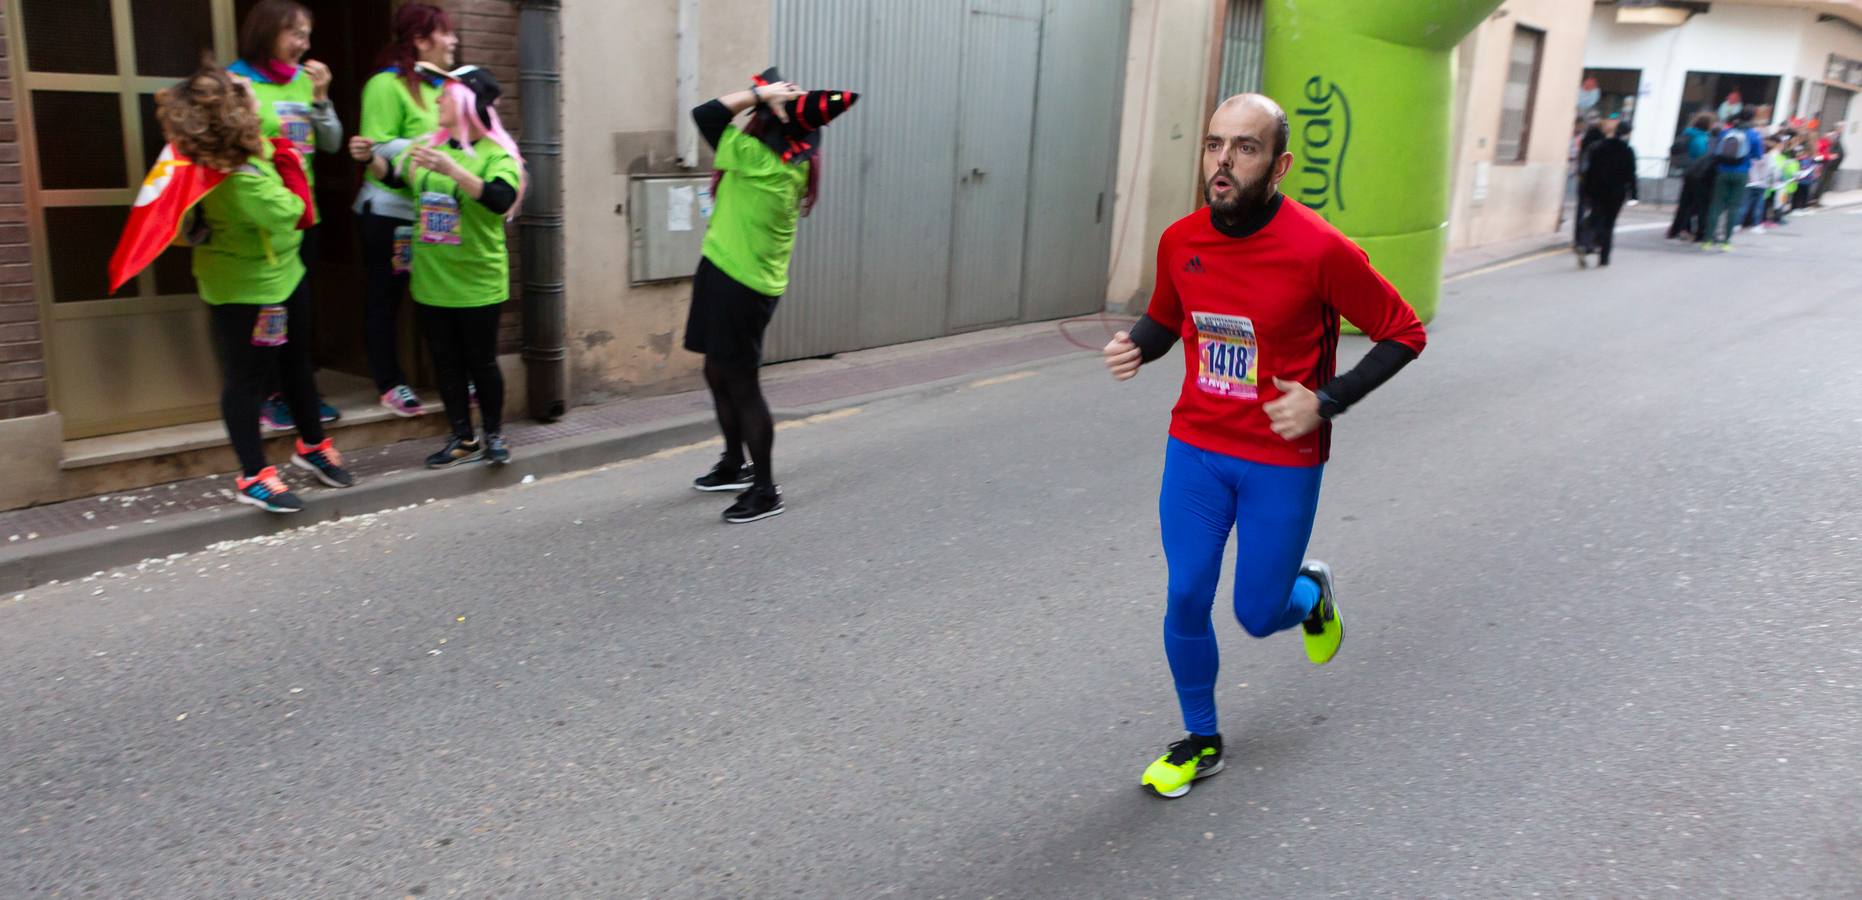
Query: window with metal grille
[1241, 49]
[1522, 92]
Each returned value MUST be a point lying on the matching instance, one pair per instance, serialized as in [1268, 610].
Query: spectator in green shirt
[466, 181]
[399, 103]
[294, 103]
[246, 262]
[767, 173]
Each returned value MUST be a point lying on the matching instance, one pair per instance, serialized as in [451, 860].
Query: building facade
[1663, 65]
[972, 186]
[1010, 161]
[104, 391]
[1516, 83]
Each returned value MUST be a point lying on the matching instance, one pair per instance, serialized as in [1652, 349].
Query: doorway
[1724, 94]
[1611, 93]
[87, 73]
[347, 37]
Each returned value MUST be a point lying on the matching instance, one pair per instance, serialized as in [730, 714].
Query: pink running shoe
[401, 401]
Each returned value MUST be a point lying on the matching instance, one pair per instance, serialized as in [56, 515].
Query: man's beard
[1247, 199]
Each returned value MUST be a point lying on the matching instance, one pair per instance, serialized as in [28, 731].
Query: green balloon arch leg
[1368, 86]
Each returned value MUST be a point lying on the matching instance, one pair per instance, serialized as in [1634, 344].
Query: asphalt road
[1599, 549]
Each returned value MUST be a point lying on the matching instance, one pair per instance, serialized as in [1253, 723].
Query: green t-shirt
[286, 110]
[1787, 168]
[752, 229]
[251, 253]
[389, 112]
[459, 249]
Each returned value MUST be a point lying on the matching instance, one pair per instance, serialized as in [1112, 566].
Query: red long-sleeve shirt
[1261, 307]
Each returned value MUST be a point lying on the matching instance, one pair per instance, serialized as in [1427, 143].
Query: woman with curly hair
[249, 272]
[399, 103]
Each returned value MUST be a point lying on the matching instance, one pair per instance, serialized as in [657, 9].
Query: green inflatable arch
[1368, 86]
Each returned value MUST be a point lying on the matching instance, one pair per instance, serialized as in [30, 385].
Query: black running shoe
[496, 453]
[266, 491]
[456, 451]
[726, 476]
[324, 462]
[755, 503]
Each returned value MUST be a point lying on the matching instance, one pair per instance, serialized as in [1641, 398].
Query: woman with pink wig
[466, 180]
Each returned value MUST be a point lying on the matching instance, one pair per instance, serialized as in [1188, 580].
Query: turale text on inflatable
[1368, 88]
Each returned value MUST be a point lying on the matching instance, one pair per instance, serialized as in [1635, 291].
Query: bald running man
[1254, 285]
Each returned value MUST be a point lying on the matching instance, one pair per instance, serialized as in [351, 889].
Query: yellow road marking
[1002, 379]
[814, 420]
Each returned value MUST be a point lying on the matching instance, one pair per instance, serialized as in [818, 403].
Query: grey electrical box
[668, 215]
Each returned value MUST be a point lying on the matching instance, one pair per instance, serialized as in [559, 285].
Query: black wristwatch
[1328, 407]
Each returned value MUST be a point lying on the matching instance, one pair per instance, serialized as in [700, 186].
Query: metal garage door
[971, 186]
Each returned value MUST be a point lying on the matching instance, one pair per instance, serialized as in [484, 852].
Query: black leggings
[464, 344]
[1691, 209]
[381, 300]
[1603, 215]
[303, 324]
[246, 369]
[743, 416]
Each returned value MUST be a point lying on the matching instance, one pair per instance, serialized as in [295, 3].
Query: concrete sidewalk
[80, 537]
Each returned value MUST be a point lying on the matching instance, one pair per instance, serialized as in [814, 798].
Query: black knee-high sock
[754, 421]
[718, 379]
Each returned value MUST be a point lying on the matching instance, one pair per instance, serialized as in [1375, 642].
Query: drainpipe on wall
[686, 93]
[540, 227]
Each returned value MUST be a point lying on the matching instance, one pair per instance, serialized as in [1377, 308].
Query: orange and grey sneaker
[324, 462]
[1195, 757]
[266, 491]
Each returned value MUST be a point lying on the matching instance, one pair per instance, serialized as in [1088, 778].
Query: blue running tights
[1205, 496]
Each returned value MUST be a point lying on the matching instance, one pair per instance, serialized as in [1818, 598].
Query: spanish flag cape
[173, 186]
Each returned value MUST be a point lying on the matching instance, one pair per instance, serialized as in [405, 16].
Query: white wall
[1746, 40]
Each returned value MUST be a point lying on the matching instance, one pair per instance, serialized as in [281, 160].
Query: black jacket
[1611, 175]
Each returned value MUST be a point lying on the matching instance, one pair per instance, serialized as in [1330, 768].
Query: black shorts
[727, 319]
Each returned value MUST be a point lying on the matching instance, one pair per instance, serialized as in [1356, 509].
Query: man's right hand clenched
[1123, 357]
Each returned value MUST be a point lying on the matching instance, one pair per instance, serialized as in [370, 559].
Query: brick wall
[488, 38]
[22, 346]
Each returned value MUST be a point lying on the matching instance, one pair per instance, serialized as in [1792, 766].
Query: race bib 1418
[1229, 358]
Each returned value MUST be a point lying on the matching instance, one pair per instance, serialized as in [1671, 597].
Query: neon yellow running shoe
[1325, 628]
[1195, 757]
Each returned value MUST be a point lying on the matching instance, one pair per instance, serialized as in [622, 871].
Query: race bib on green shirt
[403, 259]
[294, 125]
[439, 218]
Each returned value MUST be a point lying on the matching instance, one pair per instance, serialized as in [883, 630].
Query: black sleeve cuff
[499, 196]
[1385, 360]
[712, 117]
[1153, 339]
